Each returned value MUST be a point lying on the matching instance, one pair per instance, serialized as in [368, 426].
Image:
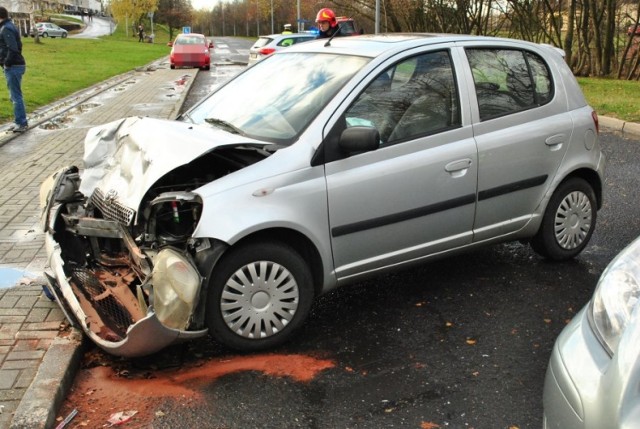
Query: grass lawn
[59, 67]
[610, 97]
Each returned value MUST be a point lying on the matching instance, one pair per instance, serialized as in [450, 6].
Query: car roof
[372, 45]
[190, 35]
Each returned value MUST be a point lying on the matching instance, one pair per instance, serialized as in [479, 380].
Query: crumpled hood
[129, 155]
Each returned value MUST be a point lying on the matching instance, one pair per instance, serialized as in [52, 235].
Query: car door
[415, 194]
[522, 131]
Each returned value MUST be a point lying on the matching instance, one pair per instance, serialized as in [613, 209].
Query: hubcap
[573, 220]
[259, 299]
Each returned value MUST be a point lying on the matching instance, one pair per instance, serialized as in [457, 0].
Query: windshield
[276, 99]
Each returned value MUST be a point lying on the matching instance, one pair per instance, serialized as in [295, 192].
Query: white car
[267, 45]
[48, 29]
[353, 157]
[593, 377]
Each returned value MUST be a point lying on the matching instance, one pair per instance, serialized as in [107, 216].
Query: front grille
[111, 209]
[113, 314]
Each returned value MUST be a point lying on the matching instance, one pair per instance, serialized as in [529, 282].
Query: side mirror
[170, 44]
[211, 45]
[359, 139]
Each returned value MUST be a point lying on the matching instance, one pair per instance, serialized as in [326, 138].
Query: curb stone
[41, 401]
[630, 129]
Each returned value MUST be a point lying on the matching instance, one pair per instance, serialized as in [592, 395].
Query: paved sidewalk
[38, 350]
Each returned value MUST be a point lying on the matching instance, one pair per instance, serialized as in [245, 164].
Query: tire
[172, 66]
[45, 35]
[568, 221]
[64, 35]
[250, 314]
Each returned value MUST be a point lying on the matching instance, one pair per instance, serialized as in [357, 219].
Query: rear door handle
[555, 142]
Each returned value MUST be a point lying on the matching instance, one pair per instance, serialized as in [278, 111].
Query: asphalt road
[458, 343]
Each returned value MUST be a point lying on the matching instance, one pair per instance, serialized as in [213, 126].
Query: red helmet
[326, 14]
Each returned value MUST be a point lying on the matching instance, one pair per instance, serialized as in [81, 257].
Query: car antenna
[333, 35]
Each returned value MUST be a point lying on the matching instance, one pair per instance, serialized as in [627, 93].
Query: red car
[190, 50]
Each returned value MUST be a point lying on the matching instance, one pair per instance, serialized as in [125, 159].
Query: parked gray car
[353, 158]
[48, 29]
[594, 371]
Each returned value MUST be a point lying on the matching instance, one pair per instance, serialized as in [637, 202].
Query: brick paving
[29, 322]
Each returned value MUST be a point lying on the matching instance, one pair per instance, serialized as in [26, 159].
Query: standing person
[140, 33]
[14, 66]
[327, 23]
[287, 29]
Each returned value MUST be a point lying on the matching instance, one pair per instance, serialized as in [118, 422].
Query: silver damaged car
[324, 163]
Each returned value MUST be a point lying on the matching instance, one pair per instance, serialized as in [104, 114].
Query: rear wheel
[64, 35]
[258, 296]
[568, 221]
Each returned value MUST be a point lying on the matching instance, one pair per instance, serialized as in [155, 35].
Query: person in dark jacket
[14, 66]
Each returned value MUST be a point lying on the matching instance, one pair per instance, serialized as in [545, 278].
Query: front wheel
[64, 35]
[258, 296]
[45, 35]
[568, 221]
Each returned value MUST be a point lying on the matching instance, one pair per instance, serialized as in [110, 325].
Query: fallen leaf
[471, 341]
[448, 324]
[121, 417]
[475, 373]
[514, 427]
[547, 321]
[428, 425]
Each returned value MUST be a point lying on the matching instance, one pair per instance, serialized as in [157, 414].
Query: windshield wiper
[222, 124]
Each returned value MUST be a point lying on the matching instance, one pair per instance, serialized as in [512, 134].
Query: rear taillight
[594, 115]
[266, 51]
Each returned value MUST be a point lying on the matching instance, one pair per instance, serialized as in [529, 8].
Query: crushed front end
[131, 301]
[122, 259]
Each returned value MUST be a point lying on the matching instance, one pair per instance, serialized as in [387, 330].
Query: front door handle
[458, 168]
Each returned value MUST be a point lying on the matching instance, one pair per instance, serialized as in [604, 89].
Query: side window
[412, 98]
[286, 42]
[508, 81]
[542, 82]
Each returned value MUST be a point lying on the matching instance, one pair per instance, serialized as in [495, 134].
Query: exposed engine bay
[126, 265]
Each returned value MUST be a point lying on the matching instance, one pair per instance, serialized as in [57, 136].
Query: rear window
[262, 41]
[509, 81]
[189, 40]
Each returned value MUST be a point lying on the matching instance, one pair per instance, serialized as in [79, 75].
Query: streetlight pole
[272, 17]
[298, 20]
